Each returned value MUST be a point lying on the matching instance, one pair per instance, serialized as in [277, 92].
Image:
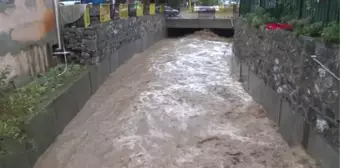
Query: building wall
[25, 24]
[27, 30]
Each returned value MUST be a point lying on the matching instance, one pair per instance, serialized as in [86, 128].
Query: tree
[174, 3]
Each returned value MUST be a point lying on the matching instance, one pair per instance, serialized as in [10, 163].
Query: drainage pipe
[60, 49]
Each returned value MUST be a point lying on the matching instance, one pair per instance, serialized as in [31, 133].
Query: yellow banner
[221, 8]
[152, 9]
[161, 8]
[104, 12]
[86, 16]
[140, 10]
[123, 11]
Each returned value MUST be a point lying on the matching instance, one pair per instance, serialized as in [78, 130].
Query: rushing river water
[173, 106]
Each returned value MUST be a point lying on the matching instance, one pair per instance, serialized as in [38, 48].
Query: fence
[107, 12]
[318, 10]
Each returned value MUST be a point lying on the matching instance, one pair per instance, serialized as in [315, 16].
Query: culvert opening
[180, 32]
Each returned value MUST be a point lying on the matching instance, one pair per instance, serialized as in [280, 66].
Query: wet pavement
[173, 106]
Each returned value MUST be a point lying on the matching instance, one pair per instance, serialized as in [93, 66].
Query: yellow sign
[140, 10]
[104, 12]
[221, 8]
[87, 17]
[123, 11]
[161, 8]
[152, 9]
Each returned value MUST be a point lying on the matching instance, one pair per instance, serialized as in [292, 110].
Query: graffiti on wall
[27, 26]
[25, 21]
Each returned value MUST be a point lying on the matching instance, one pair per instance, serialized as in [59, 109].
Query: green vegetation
[259, 18]
[328, 33]
[19, 105]
[307, 28]
[331, 33]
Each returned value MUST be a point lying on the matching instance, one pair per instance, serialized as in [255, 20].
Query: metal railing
[211, 12]
[107, 12]
[321, 10]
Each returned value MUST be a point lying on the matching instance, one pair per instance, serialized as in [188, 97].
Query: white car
[204, 8]
[69, 2]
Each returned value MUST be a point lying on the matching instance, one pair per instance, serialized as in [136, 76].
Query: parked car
[169, 12]
[69, 2]
[204, 9]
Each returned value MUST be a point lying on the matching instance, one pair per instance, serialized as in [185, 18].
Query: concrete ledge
[265, 96]
[235, 67]
[104, 69]
[139, 46]
[65, 107]
[99, 73]
[319, 148]
[114, 62]
[131, 49]
[122, 52]
[292, 125]
[150, 40]
[244, 75]
[43, 129]
[55, 114]
[83, 90]
[199, 23]
[94, 78]
[144, 42]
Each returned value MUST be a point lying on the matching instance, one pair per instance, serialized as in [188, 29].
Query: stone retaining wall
[102, 40]
[298, 94]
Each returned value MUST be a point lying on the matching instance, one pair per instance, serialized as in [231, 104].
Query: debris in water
[209, 139]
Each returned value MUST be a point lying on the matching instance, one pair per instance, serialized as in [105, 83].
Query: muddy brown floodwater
[173, 106]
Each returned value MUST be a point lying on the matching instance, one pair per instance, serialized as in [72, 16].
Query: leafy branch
[21, 104]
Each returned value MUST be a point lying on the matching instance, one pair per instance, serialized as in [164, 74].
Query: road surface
[173, 106]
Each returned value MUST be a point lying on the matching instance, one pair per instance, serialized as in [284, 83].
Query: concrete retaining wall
[67, 102]
[106, 46]
[92, 45]
[101, 71]
[296, 92]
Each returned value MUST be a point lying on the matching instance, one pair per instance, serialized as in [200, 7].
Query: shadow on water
[180, 32]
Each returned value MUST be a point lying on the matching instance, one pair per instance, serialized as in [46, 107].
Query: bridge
[203, 20]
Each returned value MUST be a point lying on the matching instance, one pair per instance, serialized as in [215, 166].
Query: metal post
[300, 9]
[328, 13]
[60, 49]
[56, 14]
[338, 14]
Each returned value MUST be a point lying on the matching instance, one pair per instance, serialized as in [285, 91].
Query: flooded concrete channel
[174, 105]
